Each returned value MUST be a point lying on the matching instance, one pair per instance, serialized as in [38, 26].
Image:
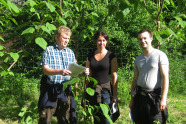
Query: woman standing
[101, 65]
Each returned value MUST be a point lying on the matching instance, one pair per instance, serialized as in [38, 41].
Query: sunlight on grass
[177, 110]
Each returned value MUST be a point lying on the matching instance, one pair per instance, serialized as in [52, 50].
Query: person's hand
[163, 105]
[86, 71]
[66, 72]
[115, 100]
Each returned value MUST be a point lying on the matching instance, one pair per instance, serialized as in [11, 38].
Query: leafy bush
[177, 76]
[18, 97]
[124, 85]
[18, 88]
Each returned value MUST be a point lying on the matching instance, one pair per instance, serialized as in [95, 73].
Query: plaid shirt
[57, 59]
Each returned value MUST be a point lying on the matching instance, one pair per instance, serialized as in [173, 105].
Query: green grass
[177, 110]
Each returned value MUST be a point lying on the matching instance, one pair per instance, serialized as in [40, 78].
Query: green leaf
[90, 91]
[126, 11]
[38, 15]
[15, 22]
[1, 23]
[31, 2]
[28, 120]
[3, 73]
[94, 14]
[15, 56]
[23, 109]
[84, 113]
[13, 6]
[61, 20]
[50, 26]
[28, 30]
[94, 80]
[10, 73]
[181, 22]
[77, 8]
[5, 4]
[105, 110]
[90, 28]
[21, 114]
[70, 82]
[1, 54]
[172, 3]
[5, 58]
[1, 38]
[51, 7]
[45, 29]
[90, 111]
[41, 42]
[32, 9]
[158, 37]
[171, 32]
[1, 47]
[167, 1]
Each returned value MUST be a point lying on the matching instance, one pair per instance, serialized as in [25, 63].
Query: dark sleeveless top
[101, 70]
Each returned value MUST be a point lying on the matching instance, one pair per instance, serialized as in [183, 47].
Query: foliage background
[28, 26]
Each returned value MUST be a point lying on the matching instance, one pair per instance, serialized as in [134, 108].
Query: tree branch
[12, 64]
[9, 68]
[61, 2]
[145, 4]
[169, 36]
[158, 17]
[159, 12]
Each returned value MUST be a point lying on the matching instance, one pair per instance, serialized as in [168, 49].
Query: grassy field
[176, 108]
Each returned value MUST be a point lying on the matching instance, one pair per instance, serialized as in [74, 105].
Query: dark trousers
[105, 96]
[61, 111]
[145, 112]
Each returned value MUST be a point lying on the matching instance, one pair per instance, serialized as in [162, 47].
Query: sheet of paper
[75, 69]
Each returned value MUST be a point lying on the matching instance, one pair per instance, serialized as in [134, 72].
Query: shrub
[18, 88]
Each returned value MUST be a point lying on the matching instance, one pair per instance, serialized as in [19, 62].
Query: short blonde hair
[64, 29]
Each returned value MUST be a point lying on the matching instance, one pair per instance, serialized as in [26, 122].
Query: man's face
[144, 40]
[62, 39]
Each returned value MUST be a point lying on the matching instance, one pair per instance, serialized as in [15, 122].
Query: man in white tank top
[151, 72]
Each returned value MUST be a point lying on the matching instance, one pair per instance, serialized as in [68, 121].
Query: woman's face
[101, 42]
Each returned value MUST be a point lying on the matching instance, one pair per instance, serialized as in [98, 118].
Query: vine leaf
[15, 56]
[70, 82]
[41, 42]
[90, 91]
[28, 30]
[105, 110]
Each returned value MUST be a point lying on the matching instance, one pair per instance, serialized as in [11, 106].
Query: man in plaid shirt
[53, 100]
